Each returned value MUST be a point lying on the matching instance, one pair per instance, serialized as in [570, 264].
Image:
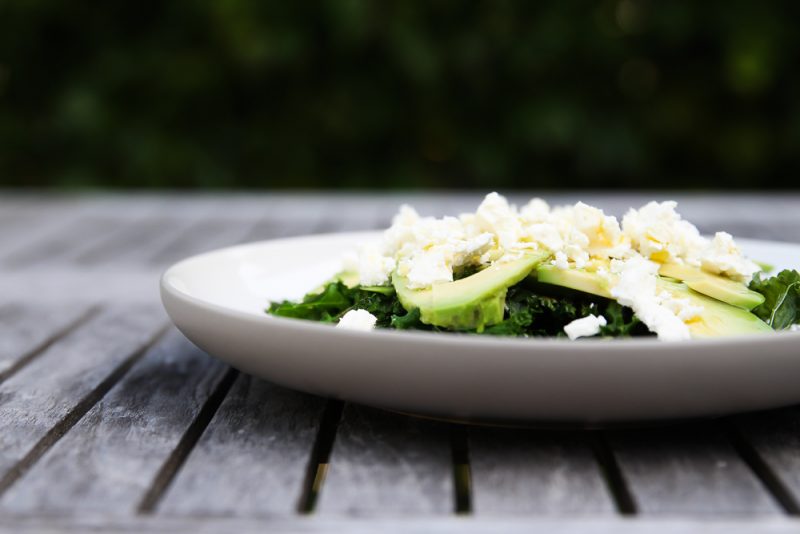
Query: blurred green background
[399, 94]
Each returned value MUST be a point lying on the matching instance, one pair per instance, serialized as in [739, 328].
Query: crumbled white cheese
[636, 288]
[585, 326]
[722, 256]
[496, 216]
[428, 267]
[374, 268]
[357, 320]
[659, 233]
[427, 250]
[561, 261]
[682, 308]
[535, 211]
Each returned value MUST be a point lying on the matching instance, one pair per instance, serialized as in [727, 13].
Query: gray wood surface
[385, 463]
[109, 459]
[27, 330]
[39, 403]
[774, 440]
[252, 458]
[400, 525]
[131, 241]
[97, 432]
[529, 472]
[203, 236]
[688, 470]
[62, 241]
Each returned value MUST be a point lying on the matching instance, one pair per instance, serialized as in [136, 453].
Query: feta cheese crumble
[722, 256]
[428, 251]
[357, 320]
[585, 326]
[636, 288]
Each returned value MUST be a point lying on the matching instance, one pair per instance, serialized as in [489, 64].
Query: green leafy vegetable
[532, 314]
[781, 309]
[336, 299]
[324, 306]
[528, 312]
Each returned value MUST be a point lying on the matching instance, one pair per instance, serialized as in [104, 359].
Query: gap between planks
[761, 469]
[317, 468]
[178, 456]
[462, 473]
[319, 460]
[72, 417]
[34, 352]
[612, 474]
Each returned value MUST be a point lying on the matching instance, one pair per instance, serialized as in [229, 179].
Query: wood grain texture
[388, 464]
[775, 438]
[26, 329]
[398, 525]
[62, 241]
[525, 472]
[689, 470]
[107, 461]
[132, 241]
[36, 399]
[203, 236]
[252, 458]
[273, 228]
[24, 223]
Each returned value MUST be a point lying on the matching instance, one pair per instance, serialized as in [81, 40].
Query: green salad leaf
[528, 312]
[781, 309]
[336, 299]
[531, 314]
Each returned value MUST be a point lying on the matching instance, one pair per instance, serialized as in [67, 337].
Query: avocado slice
[578, 279]
[348, 278]
[715, 286]
[717, 319]
[765, 267]
[470, 303]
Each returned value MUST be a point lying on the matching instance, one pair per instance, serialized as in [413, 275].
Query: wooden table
[111, 420]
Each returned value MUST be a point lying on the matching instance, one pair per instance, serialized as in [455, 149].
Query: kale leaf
[528, 311]
[781, 309]
[621, 322]
[336, 299]
[324, 306]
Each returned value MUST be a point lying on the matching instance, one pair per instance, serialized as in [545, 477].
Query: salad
[565, 271]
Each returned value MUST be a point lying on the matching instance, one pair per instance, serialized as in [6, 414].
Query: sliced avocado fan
[471, 303]
[717, 318]
[715, 286]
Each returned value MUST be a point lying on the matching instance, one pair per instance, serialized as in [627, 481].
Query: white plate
[217, 299]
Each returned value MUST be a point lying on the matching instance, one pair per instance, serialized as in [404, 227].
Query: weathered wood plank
[38, 401]
[108, 460]
[688, 470]
[206, 235]
[524, 472]
[398, 525]
[65, 239]
[133, 241]
[274, 228]
[26, 329]
[774, 437]
[384, 464]
[252, 458]
[22, 227]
